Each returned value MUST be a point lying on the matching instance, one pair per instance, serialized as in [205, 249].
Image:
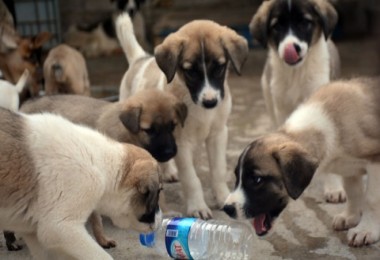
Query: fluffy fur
[55, 173]
[328, 133]
[191, 63]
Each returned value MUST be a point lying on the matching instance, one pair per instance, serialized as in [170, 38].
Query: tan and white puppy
[146, 119]
[55, 174]
[301, 58]
[191, 63]
[337, 130]
[65, 72]
[10, 94]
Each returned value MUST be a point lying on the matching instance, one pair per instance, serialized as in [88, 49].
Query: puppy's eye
[172, 126]
[218, 70]
[191, 73]
[255, 180]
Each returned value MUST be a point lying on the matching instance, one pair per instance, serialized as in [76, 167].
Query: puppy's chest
[292, 87]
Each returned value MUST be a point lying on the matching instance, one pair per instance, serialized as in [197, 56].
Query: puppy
[147, 119]
[23, 53]
[99, 39]
[301, 58]
[65, 72]
[9, 94]
[337, 130]
[55, 174]
[193, 65]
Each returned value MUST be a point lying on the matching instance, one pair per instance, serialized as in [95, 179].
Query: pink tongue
[291, 55]
[258, 224]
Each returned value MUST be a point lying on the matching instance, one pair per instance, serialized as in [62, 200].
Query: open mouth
[262, 224]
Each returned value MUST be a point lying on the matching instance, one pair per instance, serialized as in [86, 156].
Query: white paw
[344, 221]
[333, 188]
[335, 196]
[169, 171]
[366, 233]
[171, 214]
[199, 211]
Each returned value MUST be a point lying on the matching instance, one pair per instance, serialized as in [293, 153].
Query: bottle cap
[147, 239]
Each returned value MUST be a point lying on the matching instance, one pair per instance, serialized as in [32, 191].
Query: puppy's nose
[210, 103]
[297, 48]
[230, 210]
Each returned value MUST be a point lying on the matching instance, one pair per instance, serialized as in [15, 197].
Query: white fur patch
[139, 80]
[312, 116]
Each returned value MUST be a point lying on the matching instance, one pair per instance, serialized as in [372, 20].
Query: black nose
[230, 210]
[166, 154]
[297, 48]
[210, 103]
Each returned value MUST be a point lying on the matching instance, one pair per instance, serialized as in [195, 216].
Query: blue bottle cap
[147, 239]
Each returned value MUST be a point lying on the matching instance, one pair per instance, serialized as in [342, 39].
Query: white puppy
[54, 174]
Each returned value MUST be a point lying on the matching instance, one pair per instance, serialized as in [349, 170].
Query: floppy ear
[297, 168]
[40, 39]
[9, 38]
[181, 112]
[148, 185]
[236, 48]
[131, 119]
[167, 55]
[259, 23]
[328, 17]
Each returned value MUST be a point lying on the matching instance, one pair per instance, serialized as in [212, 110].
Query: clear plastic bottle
[191, 238]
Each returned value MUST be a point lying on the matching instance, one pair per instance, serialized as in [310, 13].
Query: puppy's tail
[57, 72]
[22, 81]
[127, 39]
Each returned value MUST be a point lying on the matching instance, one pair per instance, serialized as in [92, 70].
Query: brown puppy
[54, 174]
[19, 54]
[147, 119]
[336, 129]
[65, 72]
[193, 64]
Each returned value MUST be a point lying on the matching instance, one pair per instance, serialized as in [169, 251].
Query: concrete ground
[304, 230]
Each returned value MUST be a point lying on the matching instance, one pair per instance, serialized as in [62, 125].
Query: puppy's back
[17, 170]
[78, 109]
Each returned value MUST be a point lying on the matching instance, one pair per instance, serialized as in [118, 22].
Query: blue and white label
[177, 237]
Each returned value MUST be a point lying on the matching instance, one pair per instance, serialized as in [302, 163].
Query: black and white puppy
[301, 58]
[100, 38]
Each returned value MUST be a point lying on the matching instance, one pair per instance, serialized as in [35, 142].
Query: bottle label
[177, 237]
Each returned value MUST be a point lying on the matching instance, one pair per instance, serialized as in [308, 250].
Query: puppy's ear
[260, 22]
[167, 55]
[131, 118]
[297, 168]
[328, 17]
[236, 48]
[40, 39]
[181, 112]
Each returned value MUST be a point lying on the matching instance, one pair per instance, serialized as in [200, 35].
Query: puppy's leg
[191, 185]
[72, 239]
[333, 188]
[368, 230]
[10, 241]
[268, 100]
[350, 217]
[36, 249]
[169, 171]
[98, 230]
[216, 145]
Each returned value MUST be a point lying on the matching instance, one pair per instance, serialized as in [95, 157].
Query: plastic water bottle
[191, 238]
